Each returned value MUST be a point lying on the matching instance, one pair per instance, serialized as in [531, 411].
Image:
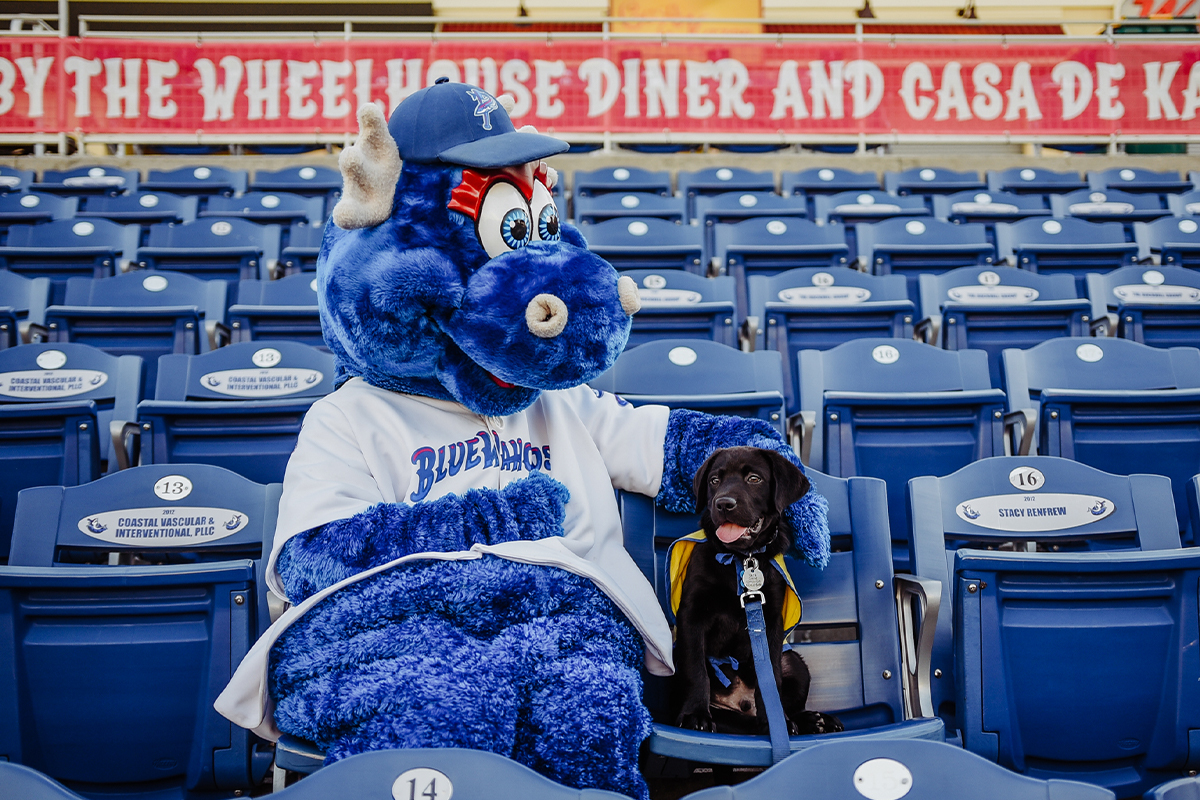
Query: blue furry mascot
[448, 535]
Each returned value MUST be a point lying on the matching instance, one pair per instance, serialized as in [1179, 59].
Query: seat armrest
[1026, 418]
[218, 334]
[916, 639]
[1105, 325]
[716, 267]
[800, 432]
[928, 329]
[33, 332]
[123, 432]
[748, 334]
[276, 605]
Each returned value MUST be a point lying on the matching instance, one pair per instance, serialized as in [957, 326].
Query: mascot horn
[448, 535]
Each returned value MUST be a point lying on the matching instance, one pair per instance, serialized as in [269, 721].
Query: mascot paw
[537, 506]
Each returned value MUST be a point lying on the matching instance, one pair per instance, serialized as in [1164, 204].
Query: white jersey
[362, 446]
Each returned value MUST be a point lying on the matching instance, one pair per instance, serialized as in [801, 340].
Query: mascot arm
[692, 437]
[531, 508]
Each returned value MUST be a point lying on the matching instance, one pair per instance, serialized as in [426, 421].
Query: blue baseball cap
[461, 124]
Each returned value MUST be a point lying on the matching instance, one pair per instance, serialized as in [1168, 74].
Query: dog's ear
[700, 483]
[790, 482]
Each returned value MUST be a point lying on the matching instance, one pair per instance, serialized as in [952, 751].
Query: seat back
[1158, 306]
[87, 180]
[1069, 245]
[301, 246]
[13, 180]
[646, 244]
[307, 181]
[990, 207]
[63, 248]
[31, 208]
[701, 375]
[717, 180]
[913, 247]
[733, 207]
[814, 308]
[613, 205]
[930, 181]
[1186, 204]
[1138, 180]
[114, 678]
[1021, 502]
[280, 207]
[771, 245]
[142, 208]
[991, 308]
[239, 407]
[620, 179]
[682, 305]
[1114, 404]
[1110, 205]
[1178, 789]
[849, 209]
[1175, 241]
[1031, 180]
[848, 634]
[923, 770]
[227, 249]
[25, 301]
[197, 181]
[895, 409]
[285, 309]
[826, 180]
[56, 402]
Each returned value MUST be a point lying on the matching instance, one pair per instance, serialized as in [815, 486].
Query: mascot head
[452, 276]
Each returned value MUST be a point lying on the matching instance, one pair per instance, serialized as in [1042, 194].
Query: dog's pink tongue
[730, 533]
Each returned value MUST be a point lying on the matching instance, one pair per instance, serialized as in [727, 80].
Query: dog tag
[752, 577]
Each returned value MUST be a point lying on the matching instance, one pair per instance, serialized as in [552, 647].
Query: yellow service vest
[679, 556]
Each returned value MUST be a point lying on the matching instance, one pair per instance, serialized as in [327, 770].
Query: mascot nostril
[546, 316]
[631, 303]
[448, 536]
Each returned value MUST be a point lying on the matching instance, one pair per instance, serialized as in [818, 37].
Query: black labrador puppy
[742, 493]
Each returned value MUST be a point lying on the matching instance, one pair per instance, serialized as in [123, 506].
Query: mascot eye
[548, 224]
[515, 229]
[504, 223]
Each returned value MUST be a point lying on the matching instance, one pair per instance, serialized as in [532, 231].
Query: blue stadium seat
[817, 308]
[895, 409]
[15, 180]
[87, 180]
[989, 208]
[112, 681]
[926, 181]
[56, 403]
[1171, 241]
[30, 208]
[701, 375]
[849, 634]
[620, 179]
[770, 245]
[989, 309]
[826, 180]
[1031, 180]
[142, 208]
[1110, 205]
[682, 305]
[282, 309]
[29, 784]
[239, 407]
[433, 774]
[1069, 245]
[912, 247]
[145, 314]
[1138, 180]
[23, 304]
[1113, 404]
[922, 770]
[718, 180]
[194, 181]
[226, 249]
[1178, 789]
[646, 244]
[1158, 306]
[733, 207]
[614, 205]
[306, 181]
[301, 244]
[1184, 205]
[1036, 637]
[93, 248]
[850, 209]
[278, 207]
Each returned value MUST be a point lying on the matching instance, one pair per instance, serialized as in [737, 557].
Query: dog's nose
[546, 316]
[726, 503]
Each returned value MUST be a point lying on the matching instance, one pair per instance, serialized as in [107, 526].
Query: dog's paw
[696, 722]
[814, 722]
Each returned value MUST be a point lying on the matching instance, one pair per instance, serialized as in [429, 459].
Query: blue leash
[752, 601]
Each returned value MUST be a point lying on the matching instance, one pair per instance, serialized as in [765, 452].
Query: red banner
[810, 88]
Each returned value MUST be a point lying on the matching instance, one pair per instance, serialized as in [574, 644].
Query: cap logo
[485, 104]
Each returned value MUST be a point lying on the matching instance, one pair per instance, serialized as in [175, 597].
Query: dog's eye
[714, 480]
[753, 479]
